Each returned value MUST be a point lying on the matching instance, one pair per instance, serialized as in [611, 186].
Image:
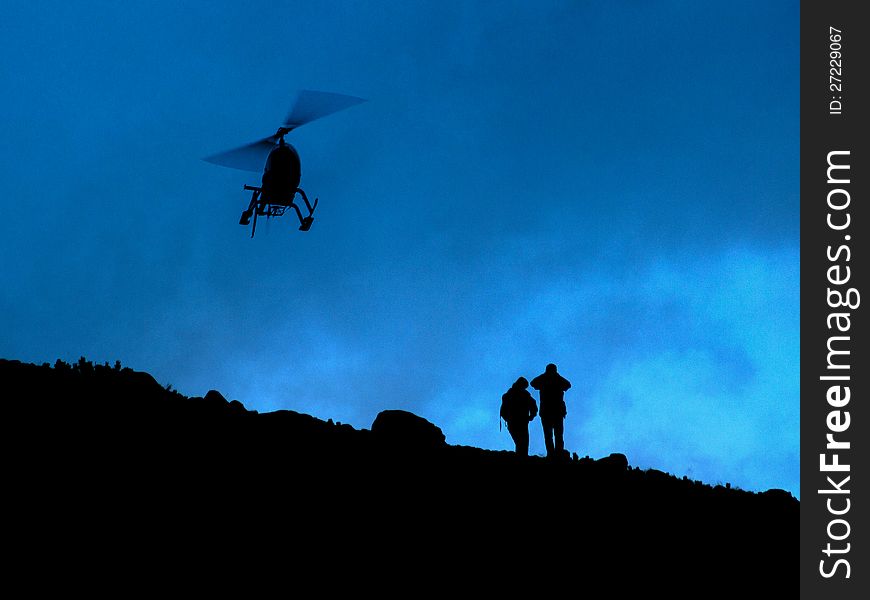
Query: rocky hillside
[153, 478]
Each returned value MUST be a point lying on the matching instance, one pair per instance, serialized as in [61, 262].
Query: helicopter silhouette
[279, 161]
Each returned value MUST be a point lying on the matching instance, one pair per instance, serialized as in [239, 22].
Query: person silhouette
[518, 408]
[552, 387]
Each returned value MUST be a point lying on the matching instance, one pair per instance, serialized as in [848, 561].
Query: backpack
[515, 406]
[510, 408]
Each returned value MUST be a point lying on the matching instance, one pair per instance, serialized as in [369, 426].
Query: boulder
[407, 430]
[616, 462]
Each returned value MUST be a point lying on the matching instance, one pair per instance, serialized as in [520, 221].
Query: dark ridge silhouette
[114, 472]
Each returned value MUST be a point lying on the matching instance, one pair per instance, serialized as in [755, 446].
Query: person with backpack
[552, 387]
[518, 408]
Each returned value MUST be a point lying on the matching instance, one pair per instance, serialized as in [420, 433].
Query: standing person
[552, 388]
[518, 408]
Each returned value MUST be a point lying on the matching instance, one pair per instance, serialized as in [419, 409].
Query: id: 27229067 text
[835, 78]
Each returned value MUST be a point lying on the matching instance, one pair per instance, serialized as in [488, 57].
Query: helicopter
[279, 161]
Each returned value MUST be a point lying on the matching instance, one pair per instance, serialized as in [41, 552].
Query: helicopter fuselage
[281, 175]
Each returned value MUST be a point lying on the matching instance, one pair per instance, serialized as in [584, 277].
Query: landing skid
[258, 207]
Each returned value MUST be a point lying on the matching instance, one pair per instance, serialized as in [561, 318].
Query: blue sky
[610, 186]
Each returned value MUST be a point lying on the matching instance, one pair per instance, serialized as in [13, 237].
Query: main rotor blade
[311, 105]
[250, 157]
